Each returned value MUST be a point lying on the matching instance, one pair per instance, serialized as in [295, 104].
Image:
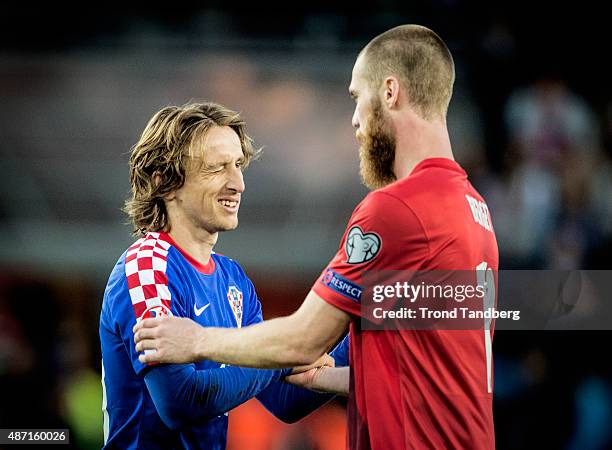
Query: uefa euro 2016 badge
[156, 312]
[234, 296]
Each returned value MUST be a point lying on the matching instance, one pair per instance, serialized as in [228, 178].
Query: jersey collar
[442, 163]
[206, 269]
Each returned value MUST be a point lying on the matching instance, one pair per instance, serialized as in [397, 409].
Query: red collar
[443, 163]
[206, 269]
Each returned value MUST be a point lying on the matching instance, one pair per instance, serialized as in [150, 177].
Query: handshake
[310, 376]
[180, 340]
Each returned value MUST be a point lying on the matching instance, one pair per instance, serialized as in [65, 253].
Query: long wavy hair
[159, 158]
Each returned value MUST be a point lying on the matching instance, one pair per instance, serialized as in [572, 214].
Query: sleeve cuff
[285, 372]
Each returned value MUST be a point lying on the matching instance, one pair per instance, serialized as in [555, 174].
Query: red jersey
[413, 389]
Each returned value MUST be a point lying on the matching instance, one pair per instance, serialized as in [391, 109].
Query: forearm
[291, 403]
[183, 395]
[296, 340]
[281, 342]
[333, 380]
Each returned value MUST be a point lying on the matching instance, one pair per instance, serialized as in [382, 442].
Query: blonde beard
[377, 151]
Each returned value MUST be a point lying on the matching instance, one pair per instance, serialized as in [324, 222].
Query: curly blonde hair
[158, 160]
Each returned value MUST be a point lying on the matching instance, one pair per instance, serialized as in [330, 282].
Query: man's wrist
[202, 344]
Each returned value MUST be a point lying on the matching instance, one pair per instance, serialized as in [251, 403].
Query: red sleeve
[382, 234]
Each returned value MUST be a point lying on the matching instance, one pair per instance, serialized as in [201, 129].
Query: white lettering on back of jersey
[480, 212]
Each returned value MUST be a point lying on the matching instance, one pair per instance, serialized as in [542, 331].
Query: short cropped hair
[421, 61]
[158, 160]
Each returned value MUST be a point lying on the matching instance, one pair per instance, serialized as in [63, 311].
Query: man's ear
[157, 179]
[391, 92]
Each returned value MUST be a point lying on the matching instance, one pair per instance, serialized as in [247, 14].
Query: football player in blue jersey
[186, 181]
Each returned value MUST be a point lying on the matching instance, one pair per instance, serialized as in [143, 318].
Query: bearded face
[377, 149]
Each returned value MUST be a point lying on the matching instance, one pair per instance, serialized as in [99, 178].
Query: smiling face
[374, 131]
[210, 197]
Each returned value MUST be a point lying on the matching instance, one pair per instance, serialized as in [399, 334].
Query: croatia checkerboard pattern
[145, 269]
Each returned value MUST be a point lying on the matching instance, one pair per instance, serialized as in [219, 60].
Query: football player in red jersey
[408, 388]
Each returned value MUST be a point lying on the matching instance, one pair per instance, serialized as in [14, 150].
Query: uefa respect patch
[342, 285]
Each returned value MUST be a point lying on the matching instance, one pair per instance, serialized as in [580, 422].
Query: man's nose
[236, 181]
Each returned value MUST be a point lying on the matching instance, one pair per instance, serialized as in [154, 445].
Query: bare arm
[298, 339]
[334, 380]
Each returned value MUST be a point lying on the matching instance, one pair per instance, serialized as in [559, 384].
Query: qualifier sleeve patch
[361, 247]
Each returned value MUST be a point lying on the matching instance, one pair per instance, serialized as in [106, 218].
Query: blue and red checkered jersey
[179, 406]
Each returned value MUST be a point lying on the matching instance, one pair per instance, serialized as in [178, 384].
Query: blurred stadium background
[531, 121]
